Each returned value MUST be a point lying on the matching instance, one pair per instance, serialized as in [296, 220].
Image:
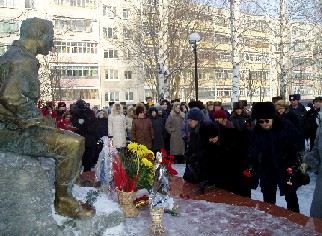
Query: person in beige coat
[117, 126]
[173, 127]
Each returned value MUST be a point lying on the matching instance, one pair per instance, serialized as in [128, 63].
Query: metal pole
[196, 69]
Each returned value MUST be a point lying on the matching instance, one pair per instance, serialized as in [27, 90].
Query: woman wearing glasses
[272, 151]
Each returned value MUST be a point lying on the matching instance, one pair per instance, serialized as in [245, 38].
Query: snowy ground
[204, 218]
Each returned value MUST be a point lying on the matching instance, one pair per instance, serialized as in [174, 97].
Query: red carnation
[247, 173]
[289, 170]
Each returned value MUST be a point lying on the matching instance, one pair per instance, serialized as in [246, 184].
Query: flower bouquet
[133, 169]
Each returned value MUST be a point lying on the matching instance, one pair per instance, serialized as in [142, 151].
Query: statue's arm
[20, 92]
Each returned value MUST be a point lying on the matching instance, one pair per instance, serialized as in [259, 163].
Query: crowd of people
[238, 151]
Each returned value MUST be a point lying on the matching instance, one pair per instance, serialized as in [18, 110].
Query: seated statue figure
[21, 128]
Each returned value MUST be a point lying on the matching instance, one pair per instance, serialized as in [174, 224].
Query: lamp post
[193, 39]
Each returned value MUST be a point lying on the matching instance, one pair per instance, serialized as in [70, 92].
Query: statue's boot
[69, 206]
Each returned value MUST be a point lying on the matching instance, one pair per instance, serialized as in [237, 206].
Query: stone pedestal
[27, 196]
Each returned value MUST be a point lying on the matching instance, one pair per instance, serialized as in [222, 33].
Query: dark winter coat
[142, 131]
[84, 122]
[272, 151]
[314, 160]
[300, 112]
[230, 156]
[101, 127]
[159, 132]
[312, 123]
[201, 150]
[240, 122]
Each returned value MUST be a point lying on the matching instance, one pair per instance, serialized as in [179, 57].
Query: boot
[69, 206]
[202, 186]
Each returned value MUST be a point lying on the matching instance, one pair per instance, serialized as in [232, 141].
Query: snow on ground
[204, 218]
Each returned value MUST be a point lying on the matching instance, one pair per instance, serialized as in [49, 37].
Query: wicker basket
[156, 226]
[126, 202]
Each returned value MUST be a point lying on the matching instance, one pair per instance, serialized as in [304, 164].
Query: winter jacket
[272, 151]
[117, 129]
[314, 160]
[239, 121]
[84, 122]
[101, 127]
[142, 131]
[312, 123]
[202, 151]
[173, 126]
[159, 132]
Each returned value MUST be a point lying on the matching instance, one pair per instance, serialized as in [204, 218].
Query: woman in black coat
[101, 130]
[158, 128]
[203, 138]
[272, 151]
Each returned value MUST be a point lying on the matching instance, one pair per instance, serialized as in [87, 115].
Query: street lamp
[193, 39]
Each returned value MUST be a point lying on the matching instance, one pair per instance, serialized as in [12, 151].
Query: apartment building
[111, 51]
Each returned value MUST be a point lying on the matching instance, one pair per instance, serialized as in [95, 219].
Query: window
[109, 11]
[29, 3]
[129, 96]
[110, 53]
[126, 13]
[78, 3]
[73, 25]
[112, 97]
[85, 72]
[76, 47]
[222, 21]
[128, 74]
[7, 3]
[126, 33]
[9, 26]
[111, 74]
[127, 55]
[75, 94]
[109, 32]
[255, 57]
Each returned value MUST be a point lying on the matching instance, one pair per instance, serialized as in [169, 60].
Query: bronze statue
[21, 128]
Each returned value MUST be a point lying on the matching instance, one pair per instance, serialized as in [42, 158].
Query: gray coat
[173, 126]
[313, 159]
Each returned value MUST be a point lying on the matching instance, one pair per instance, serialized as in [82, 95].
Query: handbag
[191, 173]
[297, 177]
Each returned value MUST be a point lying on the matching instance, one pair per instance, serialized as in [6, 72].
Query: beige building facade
[90, 63]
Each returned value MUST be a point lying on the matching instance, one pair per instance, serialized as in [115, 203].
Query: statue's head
[39, 30]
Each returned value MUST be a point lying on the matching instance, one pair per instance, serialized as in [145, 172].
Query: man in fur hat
[272, 151]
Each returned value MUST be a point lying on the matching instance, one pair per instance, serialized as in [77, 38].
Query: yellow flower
[146, 162]
[132, 146]
[143, 148]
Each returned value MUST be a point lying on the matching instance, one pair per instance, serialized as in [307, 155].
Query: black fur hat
[264, 110]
